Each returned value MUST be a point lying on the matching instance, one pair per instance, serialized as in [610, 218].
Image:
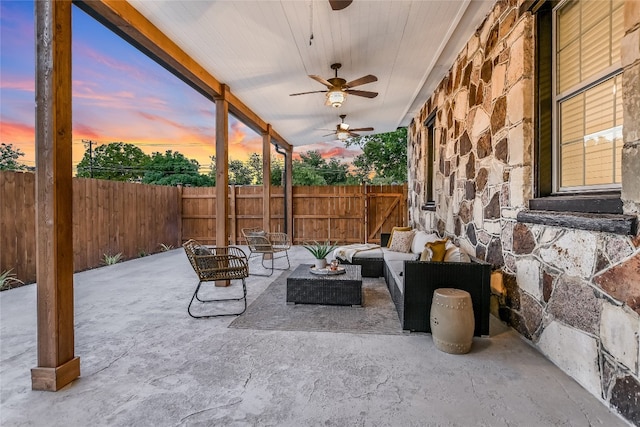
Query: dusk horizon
[119, 95]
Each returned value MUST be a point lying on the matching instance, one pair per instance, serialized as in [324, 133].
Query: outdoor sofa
[412, 282]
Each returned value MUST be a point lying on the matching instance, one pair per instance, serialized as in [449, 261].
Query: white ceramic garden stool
[452, 321]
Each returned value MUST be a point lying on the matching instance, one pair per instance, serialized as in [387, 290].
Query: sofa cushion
[402, 241]
[370, 253]
[390, 255]
[393, 230]
[455, 254]
[420, 240]
[438, 250]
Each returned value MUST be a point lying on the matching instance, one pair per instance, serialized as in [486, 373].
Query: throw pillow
[401, 241]
[426, 254]
[393, 230]
[439, 248]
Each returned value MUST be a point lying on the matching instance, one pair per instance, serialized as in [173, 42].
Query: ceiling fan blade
[353, 134]
[362, 130]
[362, 80]
[339, 4]
[305, 93]
[321, 80]
[364, 93]
[329, 134]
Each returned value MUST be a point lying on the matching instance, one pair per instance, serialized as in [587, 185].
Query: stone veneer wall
[575, 294]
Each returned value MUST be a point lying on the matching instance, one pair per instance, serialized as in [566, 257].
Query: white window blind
[587, 94]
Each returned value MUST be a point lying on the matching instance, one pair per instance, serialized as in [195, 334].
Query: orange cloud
[16, 133]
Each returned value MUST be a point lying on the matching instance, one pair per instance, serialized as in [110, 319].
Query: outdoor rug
[270, 311]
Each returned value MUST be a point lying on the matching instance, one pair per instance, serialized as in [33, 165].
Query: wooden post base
[53, 379]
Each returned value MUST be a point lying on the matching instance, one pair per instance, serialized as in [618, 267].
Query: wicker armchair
[217, 264]
[268, 245]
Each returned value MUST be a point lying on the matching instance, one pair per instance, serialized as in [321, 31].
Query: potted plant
[320, 252]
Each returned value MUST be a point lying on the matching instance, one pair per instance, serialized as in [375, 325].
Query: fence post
[233, 222]
[179, 213]
[366, 212]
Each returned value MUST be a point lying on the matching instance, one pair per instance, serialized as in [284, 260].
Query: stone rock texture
[485, 176]
[623, 282]
[574, 303]
[523, 240]
[625, 397]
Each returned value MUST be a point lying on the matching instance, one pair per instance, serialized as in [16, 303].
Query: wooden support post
[289, 191]
[57, 364]
[266, 180]
[222, 168]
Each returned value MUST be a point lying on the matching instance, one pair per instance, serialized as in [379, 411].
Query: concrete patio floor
[145, 362]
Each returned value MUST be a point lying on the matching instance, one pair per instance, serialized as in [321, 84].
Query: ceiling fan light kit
[343, 132]
[335, 98]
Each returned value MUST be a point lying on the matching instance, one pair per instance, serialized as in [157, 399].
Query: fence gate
[343, 214]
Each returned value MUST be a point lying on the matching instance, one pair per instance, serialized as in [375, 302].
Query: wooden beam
[281, 141]
[57, 364]
[130, 24]
[266, 179]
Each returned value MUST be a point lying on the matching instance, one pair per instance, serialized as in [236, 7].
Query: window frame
[582, 87]
[429, 145]
[545, 197]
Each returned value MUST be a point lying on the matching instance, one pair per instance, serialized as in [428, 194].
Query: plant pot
[321, 263]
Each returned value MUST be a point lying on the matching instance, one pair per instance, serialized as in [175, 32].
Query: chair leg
[195, 296]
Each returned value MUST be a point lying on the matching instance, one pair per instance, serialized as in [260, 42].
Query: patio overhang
[247, 70]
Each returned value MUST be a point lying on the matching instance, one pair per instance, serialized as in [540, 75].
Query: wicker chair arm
[280, 239]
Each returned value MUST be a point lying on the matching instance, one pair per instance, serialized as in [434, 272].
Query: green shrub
[112, 259]
[8, 279]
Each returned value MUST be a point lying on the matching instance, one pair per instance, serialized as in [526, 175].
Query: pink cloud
[27, 85]
[109, 62]
[85, 132]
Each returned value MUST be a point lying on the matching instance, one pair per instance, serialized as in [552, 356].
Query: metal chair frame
[268, 245]
[217, 263]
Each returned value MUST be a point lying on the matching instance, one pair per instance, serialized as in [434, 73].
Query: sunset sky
[119, 94]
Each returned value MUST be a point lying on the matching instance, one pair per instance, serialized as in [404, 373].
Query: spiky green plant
[165, 248]
[111, 259]
[7, 279]
[320, 250]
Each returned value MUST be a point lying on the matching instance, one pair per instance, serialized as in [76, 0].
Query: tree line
[383, 161]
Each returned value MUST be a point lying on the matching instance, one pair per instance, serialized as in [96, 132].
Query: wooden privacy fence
[111, 217]
[347, 214]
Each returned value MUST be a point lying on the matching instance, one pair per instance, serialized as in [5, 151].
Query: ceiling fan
[339, 4]
[343, 132]
[338, 88]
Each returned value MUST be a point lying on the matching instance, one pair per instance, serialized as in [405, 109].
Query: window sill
[602, 222]
[429, 206]
[597, 203]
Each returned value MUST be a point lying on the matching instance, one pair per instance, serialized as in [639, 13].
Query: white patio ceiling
[261, 50]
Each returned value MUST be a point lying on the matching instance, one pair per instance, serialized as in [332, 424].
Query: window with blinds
[587, 95]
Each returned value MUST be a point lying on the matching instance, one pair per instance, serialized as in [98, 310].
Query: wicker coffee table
[303, 287]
